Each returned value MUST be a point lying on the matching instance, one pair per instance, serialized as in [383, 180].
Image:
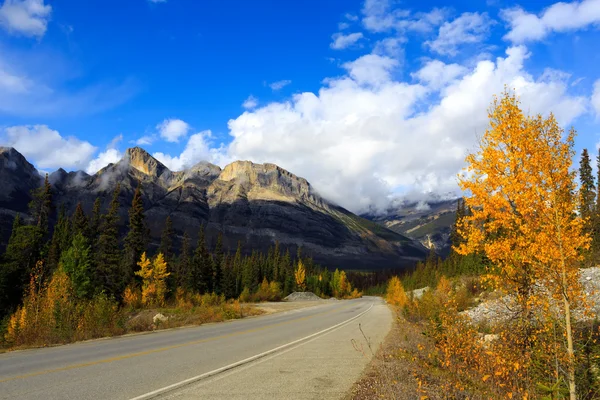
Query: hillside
[430, 223]
[256, 204]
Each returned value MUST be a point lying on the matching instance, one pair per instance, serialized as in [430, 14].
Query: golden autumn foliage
[522, 202]
[52, 313]
[300, 276]
[395, 294]
[154, 275]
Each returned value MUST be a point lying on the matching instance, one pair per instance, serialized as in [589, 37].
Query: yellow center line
[167, 348]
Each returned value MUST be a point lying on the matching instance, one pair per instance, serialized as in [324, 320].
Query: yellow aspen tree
[145, 272]
[395, 293]
[300, 275]
[160, 274]
[523, 200]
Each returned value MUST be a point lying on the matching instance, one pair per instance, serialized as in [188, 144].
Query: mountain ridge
[257, 204]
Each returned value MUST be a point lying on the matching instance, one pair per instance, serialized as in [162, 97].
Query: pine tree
[41, 206]
[183, 273]
[95, 220]
[80, 221]
[218, 265]
[237, 269]
[61, 240]
[137, 236]
[166, 240]
[109, 252]
[228, 278]
[202, 269]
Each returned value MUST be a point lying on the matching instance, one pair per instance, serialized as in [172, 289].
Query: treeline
[88, 249]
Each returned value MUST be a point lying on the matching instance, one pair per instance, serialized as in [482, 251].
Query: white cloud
[173, 129]
[146, 140]
[381, 16]
[157, 1]
[110, 156]
[341, 41]
[468, 28]
[196, 150]
[390, 47]
[366, 135]
[46, 148]
[436, 75]
[25, 17]
[250, 103]
[278, 85]
[343, 25]
[596, 97]
[559, 17]
[371, 69]
[351, 17]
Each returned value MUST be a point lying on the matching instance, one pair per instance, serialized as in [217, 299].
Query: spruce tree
[75, 261]
[41, 206]
[184, 265]
[94, 225]
[166, 240]
[80, 222]
[237, 269]
[61, 240]
[218, 265]
[228, 278]
[109, 253]
[202, 269]
[137, 236]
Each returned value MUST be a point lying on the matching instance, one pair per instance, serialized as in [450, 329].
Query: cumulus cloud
[436, 74]
[341, 41]
[278, 85]
[468, 28]
[250, 103]
[172, 130]
[197, 149]
[596, 97]
[559, 17]
[146, 140]
[25, 17]
[110, 156]
[382, 16]
[46, 148]
[366, 135]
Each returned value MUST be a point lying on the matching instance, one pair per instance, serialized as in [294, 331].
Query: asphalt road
[304, 353]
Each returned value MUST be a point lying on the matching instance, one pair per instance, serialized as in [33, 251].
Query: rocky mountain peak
[11, 159]
[141, 160]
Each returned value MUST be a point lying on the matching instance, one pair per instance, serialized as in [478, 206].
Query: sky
[370, 100]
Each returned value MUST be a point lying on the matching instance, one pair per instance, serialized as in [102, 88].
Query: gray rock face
[257, 204]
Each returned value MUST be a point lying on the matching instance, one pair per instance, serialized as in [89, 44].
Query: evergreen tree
[61, 240]
[587, 193]
[228, 288]
[218, 265]
[166, 240]
[95, 220]
[109, 252]
[137, 236]
[75, 261]
[184, 265]
[202, 269]
[80, 222]
[237, 269]
[40, 206]
[595, 247]
[18, 261]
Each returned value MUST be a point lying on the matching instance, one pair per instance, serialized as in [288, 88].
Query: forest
[56, 279]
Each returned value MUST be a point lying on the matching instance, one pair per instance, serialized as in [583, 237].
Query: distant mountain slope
[256, 204]
[429, 223]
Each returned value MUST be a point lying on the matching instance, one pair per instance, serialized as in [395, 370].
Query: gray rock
[159, 318]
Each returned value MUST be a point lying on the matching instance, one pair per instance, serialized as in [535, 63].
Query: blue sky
[366, 99]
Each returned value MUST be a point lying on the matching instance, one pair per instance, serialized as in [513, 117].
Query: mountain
[429, 223]
[257, 204]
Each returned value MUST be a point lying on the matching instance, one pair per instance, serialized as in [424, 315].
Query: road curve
[206, 359]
